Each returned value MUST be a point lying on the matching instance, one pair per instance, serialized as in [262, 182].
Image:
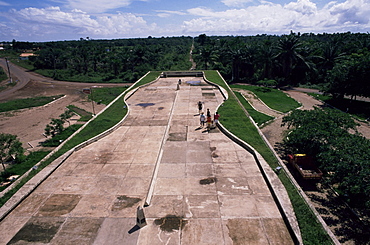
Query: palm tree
[289, 48]
[206, 56]
[267, 60]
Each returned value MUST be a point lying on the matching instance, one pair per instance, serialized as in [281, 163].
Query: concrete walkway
[199, 187]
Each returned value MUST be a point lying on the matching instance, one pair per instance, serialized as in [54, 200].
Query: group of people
[207, 118]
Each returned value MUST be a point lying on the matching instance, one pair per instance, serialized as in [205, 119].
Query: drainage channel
[159, 158]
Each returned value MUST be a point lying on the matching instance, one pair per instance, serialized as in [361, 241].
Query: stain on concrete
[123, 202]
[59, 204]
[145, 105]
[171, 223]
[208, 181]
[177, 137]
[78, 230]
[103, 158]
[37, 230]
[245, 231]
[214, 155]
[160, 108]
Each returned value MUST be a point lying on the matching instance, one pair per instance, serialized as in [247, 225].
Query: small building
[25, 56]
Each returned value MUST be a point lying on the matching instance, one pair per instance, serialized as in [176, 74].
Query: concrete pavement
[198, 187]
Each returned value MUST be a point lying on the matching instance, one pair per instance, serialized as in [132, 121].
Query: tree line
[121, 60]
[338, 63]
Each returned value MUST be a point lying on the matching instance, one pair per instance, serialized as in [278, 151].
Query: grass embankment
[273, 98]
[258, 117]
[23, 166]
[27, 103]
[110, 117]
[235, 120]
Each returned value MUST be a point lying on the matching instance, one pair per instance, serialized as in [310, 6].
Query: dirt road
[29, 124]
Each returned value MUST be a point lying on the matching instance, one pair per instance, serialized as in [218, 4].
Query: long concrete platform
[196, 187]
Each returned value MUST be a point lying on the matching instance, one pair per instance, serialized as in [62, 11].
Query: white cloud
[168, 13]
[352, 11]
[302, 6]
[98, 6]
[302, 15]
[236, 3]
[52, 21]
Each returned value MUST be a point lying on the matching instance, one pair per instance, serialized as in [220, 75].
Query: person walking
[208, 113]
[215, 118]
[200, 106]
[209, 123]
[202, 120]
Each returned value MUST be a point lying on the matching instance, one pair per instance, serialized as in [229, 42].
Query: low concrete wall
[182, 74]
[273, 182]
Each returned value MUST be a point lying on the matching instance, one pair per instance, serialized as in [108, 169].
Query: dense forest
[336, 63]
[122, 60]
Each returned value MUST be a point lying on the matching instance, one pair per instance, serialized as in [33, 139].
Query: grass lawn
[257, 116]
[27, 103]
[235, 120]
[273, 98]
[105, 95]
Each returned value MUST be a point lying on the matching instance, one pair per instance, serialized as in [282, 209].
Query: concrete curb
[277, 189]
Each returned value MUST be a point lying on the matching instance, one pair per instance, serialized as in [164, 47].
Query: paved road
[200, 187]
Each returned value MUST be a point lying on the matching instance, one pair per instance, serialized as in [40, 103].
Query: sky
[58, 20]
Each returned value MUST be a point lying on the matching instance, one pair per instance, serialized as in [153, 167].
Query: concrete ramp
[197, 186]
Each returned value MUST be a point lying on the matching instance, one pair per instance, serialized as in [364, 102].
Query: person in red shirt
[216, 117]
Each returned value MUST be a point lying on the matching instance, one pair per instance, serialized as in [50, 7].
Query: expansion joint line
[159, 158]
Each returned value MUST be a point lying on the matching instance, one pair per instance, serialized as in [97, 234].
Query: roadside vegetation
[3, 75]
[21, 166]
[235, 120]
[357, 108]
[337, 147]
[27, 103]
[84, 115]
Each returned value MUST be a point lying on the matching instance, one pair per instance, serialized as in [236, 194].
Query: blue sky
[54, 20]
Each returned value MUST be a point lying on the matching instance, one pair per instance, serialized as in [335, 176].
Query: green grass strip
[273, 98]
[235, 120]
[258, 117]
[27, 103]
